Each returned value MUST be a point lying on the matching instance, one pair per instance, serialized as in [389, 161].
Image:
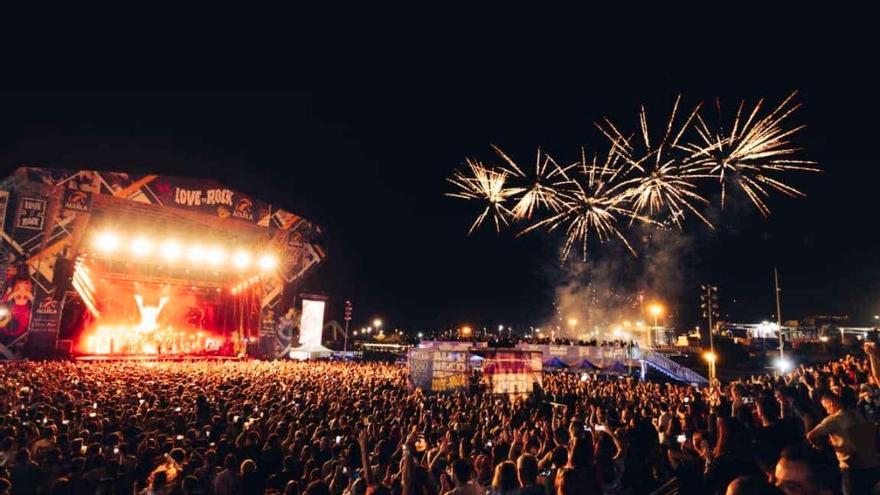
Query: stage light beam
[196, 254]
[107, 242]
[215, 256]
[241, 259]
[268, 262]
[141, 247]
[171, 250]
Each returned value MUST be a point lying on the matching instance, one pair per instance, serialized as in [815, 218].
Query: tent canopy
[555, 363]
[586, 365]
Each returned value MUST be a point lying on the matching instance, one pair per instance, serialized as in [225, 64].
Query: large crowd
[320, 428]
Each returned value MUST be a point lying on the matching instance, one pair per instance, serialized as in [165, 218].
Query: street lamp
[711, 358]
[656, 310]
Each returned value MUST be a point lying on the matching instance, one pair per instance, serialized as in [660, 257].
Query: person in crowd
[327, 428]
[803, 471]
[853, 439]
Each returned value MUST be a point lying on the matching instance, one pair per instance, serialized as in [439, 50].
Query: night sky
[364, 151]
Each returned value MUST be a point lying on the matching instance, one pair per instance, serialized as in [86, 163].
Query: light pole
[656, 310]
[347, 321]
[711, 358]
[377, 324]
[779, 316]
[710, 310]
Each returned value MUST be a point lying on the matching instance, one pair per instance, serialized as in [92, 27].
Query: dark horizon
[368, 161]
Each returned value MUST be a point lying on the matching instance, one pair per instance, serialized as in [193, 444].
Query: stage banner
[449, 371]
[268, 325]
[17, 302]
[4, 205]
[31, 214]
[46, 315]
[419, 362]
[76, 200]
[43, 334]
[205, 197]
[513, 373]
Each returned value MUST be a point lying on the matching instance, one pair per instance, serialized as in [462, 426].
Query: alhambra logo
[77, 200]
[244, 209]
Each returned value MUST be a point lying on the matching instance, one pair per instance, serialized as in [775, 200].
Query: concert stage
[130, 266]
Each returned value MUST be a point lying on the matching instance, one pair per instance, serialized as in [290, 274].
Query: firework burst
[542, 188]
[592, 205]
[486, 185]
[655, 178]
[752, 154]
[643, 178]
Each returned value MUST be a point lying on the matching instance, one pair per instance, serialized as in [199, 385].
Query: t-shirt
[852, 437]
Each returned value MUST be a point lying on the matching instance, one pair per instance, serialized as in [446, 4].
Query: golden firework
[487, 185]
[752, 154]
[593, 204]
[657, 180]
[541, 190]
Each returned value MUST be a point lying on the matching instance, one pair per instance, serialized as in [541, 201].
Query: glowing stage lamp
[268, 262]
[215, 256]
[107, 242]
[141, 247]
[196, 254]
[241, 259]
[171, 250]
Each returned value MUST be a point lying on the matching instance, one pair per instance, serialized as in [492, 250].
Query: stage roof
[203, 196]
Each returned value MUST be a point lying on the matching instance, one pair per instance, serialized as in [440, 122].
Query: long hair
[505, 477]
[581, 455]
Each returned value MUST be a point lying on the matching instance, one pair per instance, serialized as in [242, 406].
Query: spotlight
[268, 262]
[196, 254]
[215, 256]
[107, 242]
[171, 250]
[141, 246]
[241, 259]
[784, 365]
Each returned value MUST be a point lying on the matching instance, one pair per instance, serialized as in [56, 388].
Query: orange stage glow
[148, 336]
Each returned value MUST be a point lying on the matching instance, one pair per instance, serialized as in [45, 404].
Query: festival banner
[513, 373]
[268, 325]
[449, 371]
[208, 198]
[420, 369]
[31, 214]
[46, 316]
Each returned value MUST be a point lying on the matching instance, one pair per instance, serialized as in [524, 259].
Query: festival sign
[31, 214]
[513, 373]
[46, 316]
[449, 371]
[420, 369]
[209, 198]
[267, 322]
[76, 200]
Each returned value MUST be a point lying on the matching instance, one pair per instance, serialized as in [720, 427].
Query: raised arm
[365, 459]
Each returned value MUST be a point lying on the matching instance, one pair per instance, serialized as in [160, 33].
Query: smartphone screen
[682, 438]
